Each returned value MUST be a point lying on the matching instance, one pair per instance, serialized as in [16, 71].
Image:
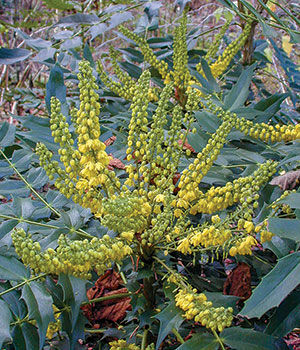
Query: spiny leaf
[274, 287]
[169, 318]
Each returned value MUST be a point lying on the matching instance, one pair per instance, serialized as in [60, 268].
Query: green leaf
[241, 338]
[169, 318]
[15, 188]
[286, 317]
[240, 91]
[55, 86]
[293, 200]
[11, 56]
[77, 19]
[5, 319]
[74, 290]
[25, 337]
[12, 269]
[7, 134]
[274, 287]
[39, 303]
[200, 341]
[285, 228]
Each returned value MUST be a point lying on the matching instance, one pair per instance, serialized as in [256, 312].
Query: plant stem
[108, 297]
[178, 336]
[144, 339]
[219, 340]
[90, 330]
[22, 283]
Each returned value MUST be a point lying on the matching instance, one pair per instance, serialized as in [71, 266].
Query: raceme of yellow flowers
[144, 210]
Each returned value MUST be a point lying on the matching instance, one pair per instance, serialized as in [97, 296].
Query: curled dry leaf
[113, 310]
[287, 181]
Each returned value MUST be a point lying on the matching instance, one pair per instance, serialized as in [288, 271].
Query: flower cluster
[219, 198]
[265, 132]
[125, 213]
[54, 327]
[222, 62]
[180, 72]
[122, 345]
[149, 55]
[197, 308]
[73, 257]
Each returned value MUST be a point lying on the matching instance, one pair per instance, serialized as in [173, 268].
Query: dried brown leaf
[288, 181]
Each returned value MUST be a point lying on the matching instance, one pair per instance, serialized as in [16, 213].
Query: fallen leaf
[115, 163]
[110, 141]
[238, 282]
[113, 310]
[288, 181]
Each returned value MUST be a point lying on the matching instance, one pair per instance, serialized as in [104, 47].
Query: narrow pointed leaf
[240, 91]
[10, 56]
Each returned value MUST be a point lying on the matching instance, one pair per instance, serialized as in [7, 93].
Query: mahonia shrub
[153, 212]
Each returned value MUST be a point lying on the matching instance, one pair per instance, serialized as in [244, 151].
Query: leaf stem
[108, 297]
[144, 339]
[178, 336]
[22, 283]
[218, 339]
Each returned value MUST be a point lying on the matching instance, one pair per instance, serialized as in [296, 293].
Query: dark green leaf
[169, 318]
[200, 341]
[7, 134]
[25, 337]
[285, 228]
[241, 338]
[5, 320]
[39, 303]
[293, 200]
[55, 86]
[286, 317]
[77, 19]
[274, 287]
[15, 188]
[10, 56]
[240, 91]
[12, 269]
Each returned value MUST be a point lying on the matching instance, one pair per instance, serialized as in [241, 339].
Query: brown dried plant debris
[288, 181]
[238, 282]
[113, 310]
